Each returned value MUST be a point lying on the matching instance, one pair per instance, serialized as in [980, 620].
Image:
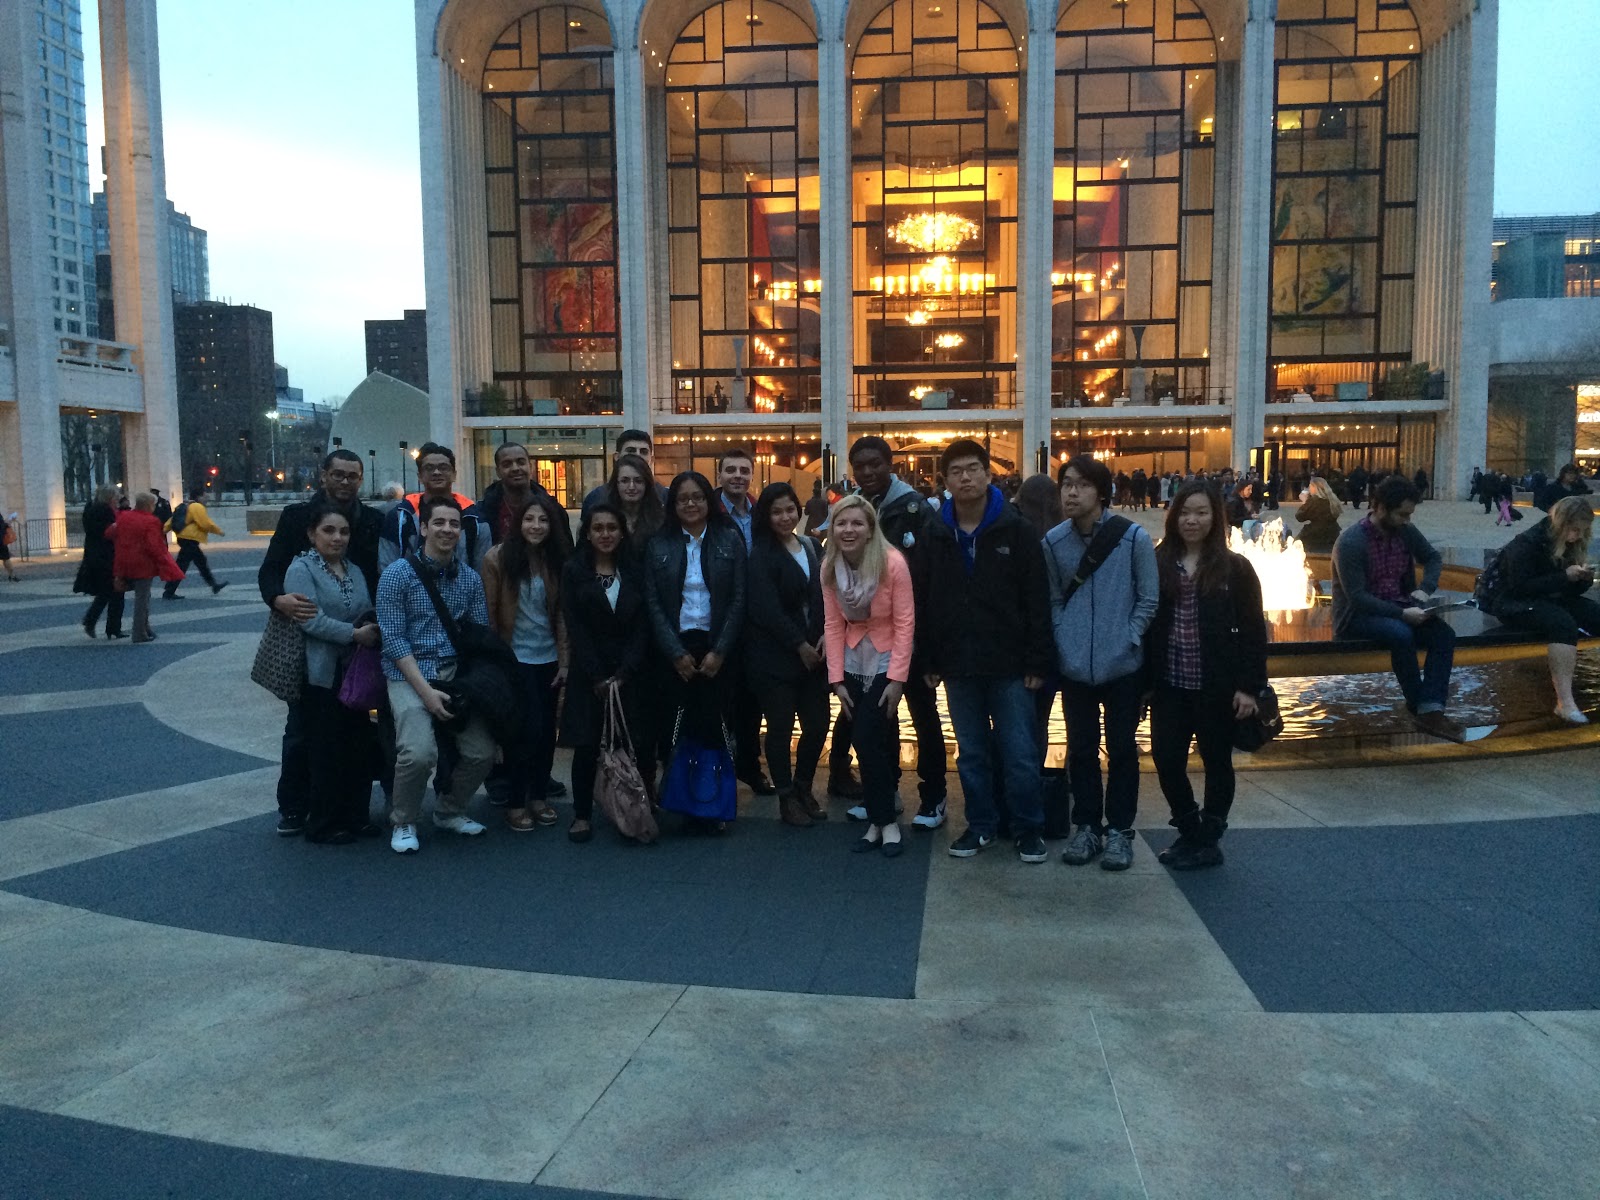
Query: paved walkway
[1390, 989]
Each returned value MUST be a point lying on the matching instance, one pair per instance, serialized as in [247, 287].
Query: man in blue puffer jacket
[1099, 634]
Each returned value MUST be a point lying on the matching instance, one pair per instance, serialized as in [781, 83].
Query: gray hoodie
[1100, 633]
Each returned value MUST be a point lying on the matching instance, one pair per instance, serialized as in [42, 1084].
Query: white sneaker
[403, 840]
[456, 823]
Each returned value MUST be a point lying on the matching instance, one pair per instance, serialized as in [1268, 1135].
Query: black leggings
[1559, 620]
[805, 698]
[1176, 716]
[585, 766]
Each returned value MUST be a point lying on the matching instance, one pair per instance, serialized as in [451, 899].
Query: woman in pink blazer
[867, 631]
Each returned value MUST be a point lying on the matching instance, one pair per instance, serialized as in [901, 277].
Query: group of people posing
[710, 610]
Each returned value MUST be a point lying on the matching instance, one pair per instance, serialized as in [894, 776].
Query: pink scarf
[855, 593]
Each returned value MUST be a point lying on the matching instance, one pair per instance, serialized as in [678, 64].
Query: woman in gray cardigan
[339, 740]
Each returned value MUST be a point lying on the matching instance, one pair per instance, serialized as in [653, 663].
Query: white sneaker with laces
[456, 823]
[403, 839]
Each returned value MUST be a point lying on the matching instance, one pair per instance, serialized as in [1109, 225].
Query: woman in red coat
[141, 556]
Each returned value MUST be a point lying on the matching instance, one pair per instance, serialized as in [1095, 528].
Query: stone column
[834, 226]
[1251, 211]
[439, 250]
[1455, 212]
[136, 192]
[635, 279]
[1036, 191]
[33, 425]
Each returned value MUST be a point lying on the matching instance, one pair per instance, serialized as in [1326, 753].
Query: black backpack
[180, 517]
[1491, 582]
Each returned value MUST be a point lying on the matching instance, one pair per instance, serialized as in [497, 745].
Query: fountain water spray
[1280, 564]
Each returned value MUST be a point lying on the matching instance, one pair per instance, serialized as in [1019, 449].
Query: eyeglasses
[345, 476]
[434, 469]
[1076, 485]
[969, 471]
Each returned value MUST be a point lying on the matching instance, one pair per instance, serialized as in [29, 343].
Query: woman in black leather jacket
[695, 588]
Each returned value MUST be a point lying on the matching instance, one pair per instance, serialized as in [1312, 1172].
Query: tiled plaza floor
[1392, 988]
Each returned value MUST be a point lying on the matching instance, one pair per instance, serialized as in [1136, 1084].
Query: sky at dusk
[291, 137]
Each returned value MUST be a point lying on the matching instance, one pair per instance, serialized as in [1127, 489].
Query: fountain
[1280, 564]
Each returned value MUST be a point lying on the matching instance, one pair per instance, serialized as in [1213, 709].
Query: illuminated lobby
[1175, 231]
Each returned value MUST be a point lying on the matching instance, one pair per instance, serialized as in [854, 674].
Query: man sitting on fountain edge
[1376, 597]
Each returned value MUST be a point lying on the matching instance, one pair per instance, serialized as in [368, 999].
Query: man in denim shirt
[1099, 634]
[417, 654]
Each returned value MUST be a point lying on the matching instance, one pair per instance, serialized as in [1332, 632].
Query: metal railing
[40, 536]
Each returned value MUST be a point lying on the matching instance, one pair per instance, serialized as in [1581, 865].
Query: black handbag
[485, 682]
[1252, 733]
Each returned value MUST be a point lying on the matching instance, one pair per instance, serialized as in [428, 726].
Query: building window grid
[908, 45]
[732, 53]
[1175, 48]
[559, 159]
[1322, 40]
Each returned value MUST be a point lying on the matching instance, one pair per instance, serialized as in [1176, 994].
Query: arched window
[1133, 203]
[934, 110]
[742, 197]
[551, 178]
[1344, 178]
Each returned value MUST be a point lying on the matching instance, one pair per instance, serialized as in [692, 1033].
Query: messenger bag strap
[1105, 541]
[424, 575]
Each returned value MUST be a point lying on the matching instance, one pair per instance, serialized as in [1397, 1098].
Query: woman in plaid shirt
[1207, 656]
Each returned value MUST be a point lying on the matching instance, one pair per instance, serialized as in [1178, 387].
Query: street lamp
[373, 473]
[403, 446]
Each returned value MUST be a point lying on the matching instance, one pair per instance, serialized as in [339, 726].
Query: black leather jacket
[722, 559]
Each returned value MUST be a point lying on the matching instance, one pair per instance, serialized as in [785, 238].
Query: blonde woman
[1319, 517]
[868, 623]
[1544, 575]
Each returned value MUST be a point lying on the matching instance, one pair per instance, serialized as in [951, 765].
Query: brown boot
[808, 801]
[792, 810]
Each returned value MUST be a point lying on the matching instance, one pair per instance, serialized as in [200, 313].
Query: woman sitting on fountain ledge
[1542, 577]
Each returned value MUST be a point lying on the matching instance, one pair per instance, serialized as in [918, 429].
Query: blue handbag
[700, 780]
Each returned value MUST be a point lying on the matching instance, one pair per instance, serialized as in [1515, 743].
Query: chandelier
[933, 232]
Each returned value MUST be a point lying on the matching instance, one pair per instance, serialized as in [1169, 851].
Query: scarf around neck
[855, 593]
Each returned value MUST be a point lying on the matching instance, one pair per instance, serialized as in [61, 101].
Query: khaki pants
[416, 753]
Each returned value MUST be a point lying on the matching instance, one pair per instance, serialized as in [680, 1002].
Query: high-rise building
[76, 410]
[186, 246]
[400, 348]
[227, 384]
[59, 32]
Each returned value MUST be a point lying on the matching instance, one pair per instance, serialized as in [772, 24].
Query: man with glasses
[436, 474]
[341, 486]
[987, 636]
[1104, 591]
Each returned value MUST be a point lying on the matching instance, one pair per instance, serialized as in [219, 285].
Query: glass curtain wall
[742, 195]
[934, 115]
[1133, 203]
[1344, 175]
[551, 175]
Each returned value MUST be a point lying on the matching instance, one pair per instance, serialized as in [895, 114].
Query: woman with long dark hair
[632, 491]
[783, 657]
[522, 583]
[695, 585]
[1207, 656]
[608, 635]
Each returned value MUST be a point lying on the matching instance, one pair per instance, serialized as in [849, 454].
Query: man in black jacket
[907, 521]
[341, 483]
[987, 635]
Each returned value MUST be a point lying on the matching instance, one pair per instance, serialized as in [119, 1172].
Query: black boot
[1205, 852]
[1188, 827]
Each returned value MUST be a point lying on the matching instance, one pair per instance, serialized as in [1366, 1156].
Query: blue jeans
[994, 715]
[1431, 685]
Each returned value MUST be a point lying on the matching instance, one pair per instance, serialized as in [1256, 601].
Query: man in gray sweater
[1377, 597]
[1099, 623]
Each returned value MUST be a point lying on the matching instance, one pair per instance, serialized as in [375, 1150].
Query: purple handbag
[363, 688]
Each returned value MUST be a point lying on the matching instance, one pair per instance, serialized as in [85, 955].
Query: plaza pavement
[1389, 990]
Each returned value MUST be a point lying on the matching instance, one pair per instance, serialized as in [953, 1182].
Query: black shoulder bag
[485, 682]
[1098, 550]
[1252, 733]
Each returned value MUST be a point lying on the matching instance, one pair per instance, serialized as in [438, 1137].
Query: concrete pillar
[834, 222]
[1250, 262]
[1455, 211]
[634, 276]
[1036, 188]
[34, 421]
[136, 191]
[445, 385]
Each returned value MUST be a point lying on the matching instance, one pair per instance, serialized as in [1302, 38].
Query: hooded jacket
[1099, 633]
[402, 535]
